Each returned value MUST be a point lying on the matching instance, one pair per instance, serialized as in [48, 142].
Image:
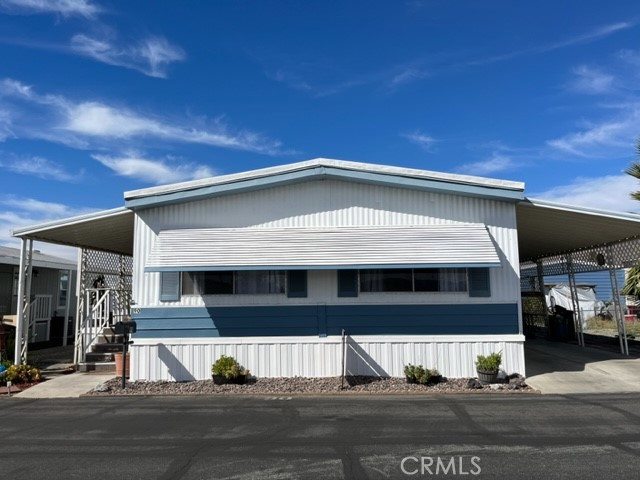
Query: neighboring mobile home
[52, 294]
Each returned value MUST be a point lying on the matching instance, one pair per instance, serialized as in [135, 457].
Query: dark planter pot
[222, 380]
[434, 379]
[487, 377]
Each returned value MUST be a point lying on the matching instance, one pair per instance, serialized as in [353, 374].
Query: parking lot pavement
[377, 437]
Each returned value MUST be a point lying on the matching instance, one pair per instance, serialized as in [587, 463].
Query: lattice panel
[618, 255]
[108, 270]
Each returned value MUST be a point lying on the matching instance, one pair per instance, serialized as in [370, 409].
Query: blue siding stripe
[322, 320]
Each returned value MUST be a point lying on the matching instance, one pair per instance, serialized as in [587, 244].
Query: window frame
[234, 283]
[413, 290]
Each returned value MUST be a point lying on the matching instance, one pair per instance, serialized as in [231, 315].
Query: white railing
[38, 309]
[96, 316]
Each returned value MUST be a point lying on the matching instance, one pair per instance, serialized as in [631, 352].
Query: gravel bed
[301, 385]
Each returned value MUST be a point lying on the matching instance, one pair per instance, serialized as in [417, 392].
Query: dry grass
[600, 323]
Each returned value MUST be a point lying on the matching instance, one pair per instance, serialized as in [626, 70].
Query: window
[414, 280]
[230, 282]
[63, 290]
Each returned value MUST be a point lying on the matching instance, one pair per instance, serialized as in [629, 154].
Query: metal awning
[106, 230]
[433, 246]
[549, 228]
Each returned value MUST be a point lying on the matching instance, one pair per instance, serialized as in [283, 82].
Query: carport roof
[549, 228]
[106, 230]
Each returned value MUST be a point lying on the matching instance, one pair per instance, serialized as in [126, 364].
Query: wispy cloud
[591, 81]
[16, 212]
[497, 162]
[632, 57]
[611, 192]
[151, 56]
[66, 8]
[38, 167]
[588, 37]
[603, 139]
[92, 124]
[322, 80]
[155, 171]
[407, 75]
[423, 140]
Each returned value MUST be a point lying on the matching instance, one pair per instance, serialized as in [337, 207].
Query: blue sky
[99, 97]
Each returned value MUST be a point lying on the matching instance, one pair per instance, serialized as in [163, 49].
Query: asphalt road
[469, 436]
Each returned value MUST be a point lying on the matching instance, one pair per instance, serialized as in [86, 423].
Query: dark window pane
[427, 279]
[260, 281]
[218, 283]
[386, 280]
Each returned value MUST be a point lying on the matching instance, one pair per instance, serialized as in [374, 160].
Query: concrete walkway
[66, 386]
[561, 368]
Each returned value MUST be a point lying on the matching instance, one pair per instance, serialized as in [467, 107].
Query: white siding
[330, 203]
[191, 358]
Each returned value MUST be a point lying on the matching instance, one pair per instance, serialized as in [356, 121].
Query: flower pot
[119, 364]
[222, 380]
[488, 377]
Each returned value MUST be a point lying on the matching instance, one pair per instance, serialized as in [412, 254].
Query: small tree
[632, 279]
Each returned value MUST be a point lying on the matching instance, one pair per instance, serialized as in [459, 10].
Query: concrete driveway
[561, 368]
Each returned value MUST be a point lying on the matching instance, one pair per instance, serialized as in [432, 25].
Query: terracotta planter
[487, 377]
[118, 358]
[222, 380]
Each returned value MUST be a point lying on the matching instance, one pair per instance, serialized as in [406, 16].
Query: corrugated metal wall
[191, 359]
[330, 203]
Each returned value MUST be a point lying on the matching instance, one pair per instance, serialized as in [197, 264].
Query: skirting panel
[191, 358]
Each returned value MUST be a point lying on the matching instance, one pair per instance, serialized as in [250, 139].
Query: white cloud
[37, 166]
[611, 192]
[591, 81]
[425, 141]
[407, 75]
[82, 8]
[632, 57]
[496, 163]
[150, 56]
[154, 171]
[93, 124]
[16, 212]
[608, 138]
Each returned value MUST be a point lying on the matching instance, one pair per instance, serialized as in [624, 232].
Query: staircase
[100, 357]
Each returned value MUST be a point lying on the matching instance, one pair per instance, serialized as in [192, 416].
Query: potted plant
[488, 367]
[227, 370]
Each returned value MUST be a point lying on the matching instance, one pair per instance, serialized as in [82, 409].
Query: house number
[135, 310]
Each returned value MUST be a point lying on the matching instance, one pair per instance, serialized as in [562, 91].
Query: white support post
[65, 330]
[17, 359]
[79, 313]
[577, 314]
[24, 301]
